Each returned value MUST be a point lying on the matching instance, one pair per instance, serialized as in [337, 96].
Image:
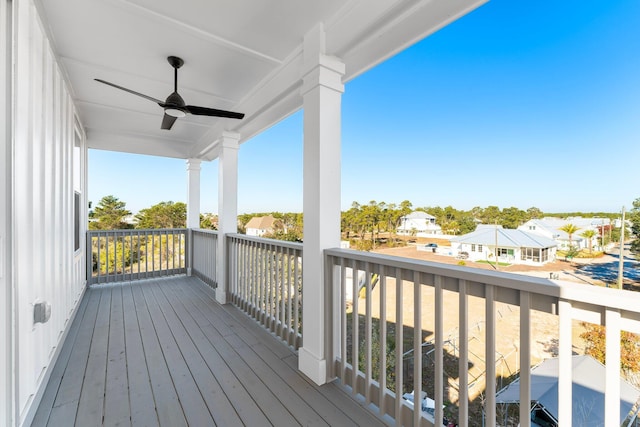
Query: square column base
[315, 369]
[221, 296]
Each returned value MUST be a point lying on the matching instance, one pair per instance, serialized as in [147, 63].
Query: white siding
[45, 267]
[5, 173]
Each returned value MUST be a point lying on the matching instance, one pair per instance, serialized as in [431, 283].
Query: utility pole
[621, 260]
[496, 251]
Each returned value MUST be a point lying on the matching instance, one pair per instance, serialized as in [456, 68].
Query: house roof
[553, 226]
[486, 235]
[261, 222]
[418, 215]
[587, 391]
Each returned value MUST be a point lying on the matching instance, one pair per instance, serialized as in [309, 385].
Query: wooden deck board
[225, 380]
[116, 404]
[258, 392]
[142, 406]
[210, 393]
[166, 400]
[90, 407]
[165, 353]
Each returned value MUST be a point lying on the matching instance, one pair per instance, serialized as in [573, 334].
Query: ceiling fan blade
[157, 101]
[168, 121]
[203, 111]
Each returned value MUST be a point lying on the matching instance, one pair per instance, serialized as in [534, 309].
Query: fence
[380, 304]
[125, 255]
[204, 245]
[266, 282]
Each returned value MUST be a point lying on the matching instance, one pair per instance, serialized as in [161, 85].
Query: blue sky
[520, 103]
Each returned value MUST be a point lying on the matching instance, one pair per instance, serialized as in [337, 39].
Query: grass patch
[493, 264]
[584, 253]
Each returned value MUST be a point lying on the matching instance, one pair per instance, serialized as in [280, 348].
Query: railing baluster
[399, 346]
[382, 377]
[439, 348]
[565, 374]
[525, 358]
[612, 370]
[354, 328]
[367, 334]
[463, 361]
[490, 356]
[417, 348]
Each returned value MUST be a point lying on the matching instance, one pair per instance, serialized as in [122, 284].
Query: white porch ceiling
[240, 55]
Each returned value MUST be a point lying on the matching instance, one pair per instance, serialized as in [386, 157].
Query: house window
[479, 248]
[534, 254]
[76, 221]
[77, 166]
[473, 247]
[532, 227]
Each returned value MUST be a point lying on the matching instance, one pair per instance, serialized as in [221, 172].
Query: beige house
[260, 225]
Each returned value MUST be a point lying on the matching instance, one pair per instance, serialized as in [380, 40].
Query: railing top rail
[593, 295]
[205, 231]
[274, 242]
[137, 230]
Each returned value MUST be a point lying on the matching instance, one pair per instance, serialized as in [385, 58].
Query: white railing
[381, 305]
[265, 280]
[125, 255]
[204, 248]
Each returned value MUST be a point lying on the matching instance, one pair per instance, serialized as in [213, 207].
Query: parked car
[432, 246]
[463, 255]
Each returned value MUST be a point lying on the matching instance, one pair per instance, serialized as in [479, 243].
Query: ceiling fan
[174, 106]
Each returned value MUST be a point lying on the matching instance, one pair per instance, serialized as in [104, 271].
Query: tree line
[364, 221]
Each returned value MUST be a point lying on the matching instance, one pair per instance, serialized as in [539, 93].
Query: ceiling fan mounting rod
[176, 63]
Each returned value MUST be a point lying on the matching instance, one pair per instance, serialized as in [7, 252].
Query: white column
[193, 204]
[193, 193]
[227, 205]
[322, 91]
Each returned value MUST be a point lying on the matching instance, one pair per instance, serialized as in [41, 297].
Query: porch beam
[227, 206]
[322, 93]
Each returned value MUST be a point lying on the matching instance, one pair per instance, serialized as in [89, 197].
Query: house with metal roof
[510, 246]
[418, 223]
[551, 228]
[587, 392]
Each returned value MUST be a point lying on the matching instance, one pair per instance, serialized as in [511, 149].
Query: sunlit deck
[165, 353]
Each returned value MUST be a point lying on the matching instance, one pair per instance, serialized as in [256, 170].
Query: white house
[418, 223]
[512, 246]
[260, 225]
[551, 228]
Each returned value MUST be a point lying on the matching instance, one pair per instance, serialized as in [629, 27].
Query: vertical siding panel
[42, 203]
[22, 200]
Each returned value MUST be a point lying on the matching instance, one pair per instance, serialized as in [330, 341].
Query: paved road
[608, 271]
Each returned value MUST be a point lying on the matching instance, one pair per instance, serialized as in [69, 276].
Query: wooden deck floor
[165, 353]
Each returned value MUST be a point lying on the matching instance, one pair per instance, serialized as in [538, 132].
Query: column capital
[193, 164]
[230, 140]
[327, 72]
